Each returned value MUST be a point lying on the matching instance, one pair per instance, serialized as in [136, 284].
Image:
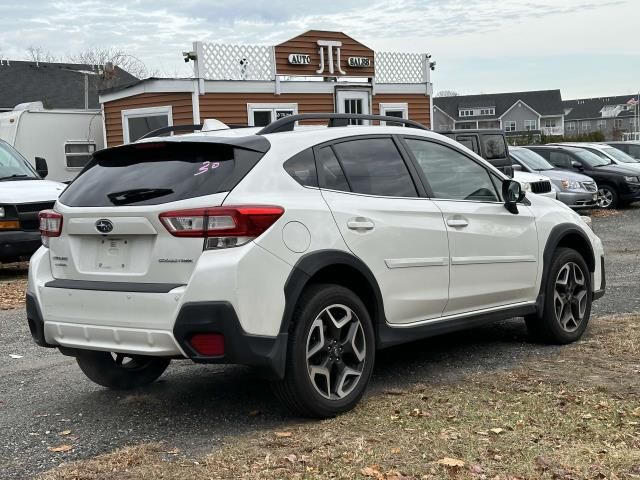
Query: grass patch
[571, 415]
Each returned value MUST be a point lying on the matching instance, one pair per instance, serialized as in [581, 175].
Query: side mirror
[512, 194]
[516, 167]
[41, 167]
[576, 165]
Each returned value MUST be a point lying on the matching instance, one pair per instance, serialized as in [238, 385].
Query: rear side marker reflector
[50, 225]
[208, 344]
[222, 227]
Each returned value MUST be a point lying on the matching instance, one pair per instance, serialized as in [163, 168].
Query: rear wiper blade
[137, 195]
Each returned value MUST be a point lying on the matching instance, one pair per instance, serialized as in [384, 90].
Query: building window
[530, 125]
[140, 121]
[510, 126]
[571, 126]
[400, 110]
[78, 154]
[261, 114]
[549, 123]
[444, 128]
[602, 124]
[586, 126]
[618, 123]
[473, 112]
[466, 125]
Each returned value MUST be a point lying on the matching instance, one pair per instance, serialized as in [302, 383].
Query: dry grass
[602, 213]
[574, 415]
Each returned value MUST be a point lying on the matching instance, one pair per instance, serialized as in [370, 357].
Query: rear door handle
[360, 224]
[457, 222]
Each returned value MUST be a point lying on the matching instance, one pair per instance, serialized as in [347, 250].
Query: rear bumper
[18, 245]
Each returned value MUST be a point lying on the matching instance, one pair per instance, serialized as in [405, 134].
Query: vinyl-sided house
[318, 71]
[516, 113]
[613, 116]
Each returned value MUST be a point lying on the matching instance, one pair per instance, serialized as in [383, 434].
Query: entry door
[493, 253]
[401, 237]
[353, 101]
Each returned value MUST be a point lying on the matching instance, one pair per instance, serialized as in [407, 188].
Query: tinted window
[330, 174]
[591, 159]
[634, 151]
[530, 159]
[374, 166]
[471, 142]
[150, 174]
[494, 146]
[302, 167]
[451, 174]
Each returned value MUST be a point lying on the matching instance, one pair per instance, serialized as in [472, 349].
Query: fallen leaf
[482, 432]
[396, 450]
[284, 434]
[497, 431]
[636, 412]
[450, 462]
[14, 356]
[587, 416]
[476, 469]
[371, 471]
[292, 458]
[60, 448]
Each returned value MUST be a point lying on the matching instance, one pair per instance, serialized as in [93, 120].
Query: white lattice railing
[256, 62]
[235, 62]
[396, 67]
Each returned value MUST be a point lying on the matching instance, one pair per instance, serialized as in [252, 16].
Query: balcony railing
[552, 130]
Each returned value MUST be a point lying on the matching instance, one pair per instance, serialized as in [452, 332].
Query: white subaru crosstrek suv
[300, 251]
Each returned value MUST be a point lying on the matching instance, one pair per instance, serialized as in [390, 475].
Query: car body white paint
[430, 267]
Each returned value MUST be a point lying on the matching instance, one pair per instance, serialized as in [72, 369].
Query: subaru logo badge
[104, 226]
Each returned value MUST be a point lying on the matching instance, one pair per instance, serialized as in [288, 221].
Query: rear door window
[560, 159]
[155, 173]
[374, 166]
[494, 147]
[330, 174]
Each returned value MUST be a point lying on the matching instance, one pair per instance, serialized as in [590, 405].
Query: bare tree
[114, 57]
[447, 93]
[39, 54]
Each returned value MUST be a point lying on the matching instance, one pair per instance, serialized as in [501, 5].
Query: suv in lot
[300, 252]
[631, 148]
[23, 193]
[618, 185]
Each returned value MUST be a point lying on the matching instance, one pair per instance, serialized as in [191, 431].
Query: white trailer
[66, 139]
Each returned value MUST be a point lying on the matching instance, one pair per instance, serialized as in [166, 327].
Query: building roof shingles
[587, 108]
[56, 85]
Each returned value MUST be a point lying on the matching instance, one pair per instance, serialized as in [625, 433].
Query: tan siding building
[316, 72]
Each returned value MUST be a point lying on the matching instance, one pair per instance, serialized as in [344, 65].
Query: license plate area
[113, 254]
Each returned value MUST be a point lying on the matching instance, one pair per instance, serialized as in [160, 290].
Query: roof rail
[286, 124]
[169, 129]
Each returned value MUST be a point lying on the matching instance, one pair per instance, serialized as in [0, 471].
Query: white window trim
[404, 107]
[571, 126]
[77, 142]
[532, 124]
[166, 110]
[510, 123]
[268, 107]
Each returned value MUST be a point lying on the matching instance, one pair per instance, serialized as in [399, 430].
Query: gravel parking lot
[46, 402]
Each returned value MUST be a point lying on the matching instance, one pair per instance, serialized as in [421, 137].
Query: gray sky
[583, 47]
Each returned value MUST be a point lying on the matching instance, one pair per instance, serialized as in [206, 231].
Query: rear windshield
[155, 173]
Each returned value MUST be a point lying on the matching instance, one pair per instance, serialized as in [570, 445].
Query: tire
[119, 374]
[607, 197]
[567, 300]
[332, 381]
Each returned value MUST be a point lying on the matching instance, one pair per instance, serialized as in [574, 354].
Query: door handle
[457, 222]
[360, 224]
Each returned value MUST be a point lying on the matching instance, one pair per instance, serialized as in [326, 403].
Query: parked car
[66, 138]
[631, 148]
[300, 252]
[489, 144]
[493, 147]
[618, 185]
[574, 189]
[613, 155]
[23, 193]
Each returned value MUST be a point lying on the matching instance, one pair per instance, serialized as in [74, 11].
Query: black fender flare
[556, 235]
[310, 264]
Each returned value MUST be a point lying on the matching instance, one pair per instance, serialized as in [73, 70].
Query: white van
[65, 138]
[23, 194]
